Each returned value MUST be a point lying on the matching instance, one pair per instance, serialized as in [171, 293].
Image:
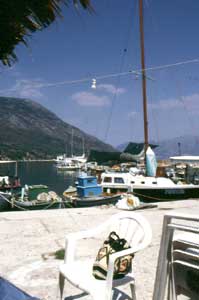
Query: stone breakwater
[26, 238]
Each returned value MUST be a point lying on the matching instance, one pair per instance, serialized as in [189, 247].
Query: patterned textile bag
[122, 264]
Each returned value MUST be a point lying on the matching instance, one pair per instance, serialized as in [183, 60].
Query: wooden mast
[143, 75]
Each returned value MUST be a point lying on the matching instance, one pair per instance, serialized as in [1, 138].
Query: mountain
[121, 147]
[29, 130]
[183, 145]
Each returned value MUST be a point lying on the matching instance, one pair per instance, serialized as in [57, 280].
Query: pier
[29, 239]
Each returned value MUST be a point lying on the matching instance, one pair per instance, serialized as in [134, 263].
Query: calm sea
[40, 173]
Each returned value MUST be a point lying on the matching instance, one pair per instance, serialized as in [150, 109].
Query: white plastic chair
[172, 248]
[129, 225]
[184, 264]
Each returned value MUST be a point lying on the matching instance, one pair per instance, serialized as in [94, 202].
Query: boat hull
[10, 188]
[30, 205]
[166, 194]
[4, 202]
[95, 201]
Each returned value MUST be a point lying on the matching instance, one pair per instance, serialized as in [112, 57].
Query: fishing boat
[36, 197]
[5, 199]
[148, 188]
[89, 193]
[8, 183]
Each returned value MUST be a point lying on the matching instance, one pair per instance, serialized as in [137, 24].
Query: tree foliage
[20, 18]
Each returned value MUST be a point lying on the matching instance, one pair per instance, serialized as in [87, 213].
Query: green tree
[20, 18]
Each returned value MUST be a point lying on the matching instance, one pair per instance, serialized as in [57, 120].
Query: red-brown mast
[143, 75]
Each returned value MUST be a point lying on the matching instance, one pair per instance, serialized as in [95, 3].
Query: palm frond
[20, 18]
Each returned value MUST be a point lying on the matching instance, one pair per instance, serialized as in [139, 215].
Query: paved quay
[25, 237]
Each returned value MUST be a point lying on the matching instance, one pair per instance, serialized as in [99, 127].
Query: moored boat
[9, 183]
[89, 193]
[69, 166]
[148, 189]
[5, 201]
[36, 197]
[157, 193]
[95, 200]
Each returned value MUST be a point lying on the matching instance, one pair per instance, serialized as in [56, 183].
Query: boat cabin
[115, 182]
[87, 186]
[118, 182]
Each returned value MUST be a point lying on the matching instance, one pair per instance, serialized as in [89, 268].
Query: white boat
[80, 159]
[148, 189]
[74, 162]
[69, 166]
[60, 158]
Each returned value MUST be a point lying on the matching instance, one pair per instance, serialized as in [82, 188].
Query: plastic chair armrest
[113, 257]
[128, 251]
[86, 233]
[72, 238]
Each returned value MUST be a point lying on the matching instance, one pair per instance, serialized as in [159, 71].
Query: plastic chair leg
[61, 285]
[132, 286]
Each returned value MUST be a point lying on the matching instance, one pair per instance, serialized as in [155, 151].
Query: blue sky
[83, 45]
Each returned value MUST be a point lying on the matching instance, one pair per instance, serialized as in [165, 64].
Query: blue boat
[89, 193]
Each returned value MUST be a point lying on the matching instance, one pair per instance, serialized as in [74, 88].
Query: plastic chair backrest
[132, 227]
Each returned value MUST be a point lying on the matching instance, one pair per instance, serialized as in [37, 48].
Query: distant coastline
[25, 160]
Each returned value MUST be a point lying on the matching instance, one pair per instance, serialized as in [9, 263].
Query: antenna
[179, 149]
[72, 143]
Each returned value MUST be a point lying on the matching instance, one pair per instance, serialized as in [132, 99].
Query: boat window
[142, 182]
[132, 181]
[154, 182]
[118, 180]
[107, 179]
[89, 180]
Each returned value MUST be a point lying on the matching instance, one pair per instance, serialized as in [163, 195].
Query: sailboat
[72, 163]
[148, 188]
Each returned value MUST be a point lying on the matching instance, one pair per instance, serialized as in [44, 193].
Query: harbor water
[40, 172]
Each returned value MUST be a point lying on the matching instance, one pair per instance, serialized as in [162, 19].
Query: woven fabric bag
[122, 265]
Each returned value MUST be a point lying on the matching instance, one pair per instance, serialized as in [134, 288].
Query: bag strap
[115, 241]
[113, 236]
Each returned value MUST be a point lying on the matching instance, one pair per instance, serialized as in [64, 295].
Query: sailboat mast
[146, 142]
[72, 143]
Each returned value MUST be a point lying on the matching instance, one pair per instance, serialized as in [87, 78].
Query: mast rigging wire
[112, 75]
[125, 49]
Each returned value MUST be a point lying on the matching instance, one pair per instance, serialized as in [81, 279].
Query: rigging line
[113, 103]
[183, 102]
[164, 89]
[154, 117]
[161, 67]
[136, 72]
[126, 42]
[134, 23]
[131, 131]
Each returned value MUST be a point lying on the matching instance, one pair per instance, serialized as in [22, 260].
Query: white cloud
[191, 103]
[25, 88]
[90, 99]
[132, 114]
[166, 104]
[110, 88]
